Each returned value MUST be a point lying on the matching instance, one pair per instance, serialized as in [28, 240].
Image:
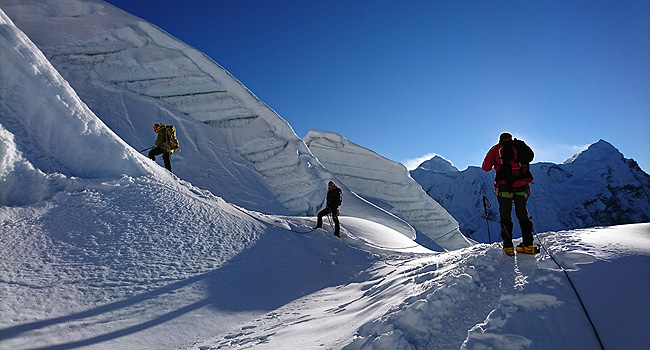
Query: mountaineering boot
[509, 250]
[527, 249]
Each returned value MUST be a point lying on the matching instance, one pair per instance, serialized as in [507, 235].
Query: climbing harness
[510, 195]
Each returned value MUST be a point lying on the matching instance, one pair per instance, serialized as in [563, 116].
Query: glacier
[386, 183]
[101, 248]
[132, 74]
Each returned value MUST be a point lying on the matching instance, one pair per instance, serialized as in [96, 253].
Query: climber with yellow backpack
[166, 144]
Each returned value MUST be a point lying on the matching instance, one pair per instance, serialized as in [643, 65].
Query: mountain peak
[599, 151]
[438, 164]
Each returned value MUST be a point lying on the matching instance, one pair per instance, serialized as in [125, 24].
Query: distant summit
[438, 164]
[602, 151]
[596, 187]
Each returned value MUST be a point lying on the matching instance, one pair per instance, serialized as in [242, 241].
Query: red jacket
[493, 159]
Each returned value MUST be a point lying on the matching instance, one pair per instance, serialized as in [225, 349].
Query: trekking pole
[330, 220]
[487, 222]
[146, 149]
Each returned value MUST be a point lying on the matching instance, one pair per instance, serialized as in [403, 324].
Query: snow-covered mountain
[132, 74]
[102, 249]
[387, 184]
[597, 187]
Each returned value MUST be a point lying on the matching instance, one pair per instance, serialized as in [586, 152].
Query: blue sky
[408, 79]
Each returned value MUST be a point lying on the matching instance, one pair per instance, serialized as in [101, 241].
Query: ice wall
[49, 139]
[133, 74]
[383, 181]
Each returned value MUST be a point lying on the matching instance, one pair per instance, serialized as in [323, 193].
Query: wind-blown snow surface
[116, 253]
[132, 74]
[597, 187]
[120, 277]
[63, 143]
[386, 183]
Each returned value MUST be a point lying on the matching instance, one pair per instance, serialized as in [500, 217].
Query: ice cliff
[133, 74]
[130, 74]
[49, 139]
[387, 184]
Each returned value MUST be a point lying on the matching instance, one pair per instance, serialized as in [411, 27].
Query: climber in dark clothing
[334, 199]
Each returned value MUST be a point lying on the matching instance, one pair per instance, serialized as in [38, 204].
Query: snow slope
[386, 183]
[100, 250]
[132, 74]
[527, 301]
[113, 252]
[107, 283]
[597, 187]
[50, 138]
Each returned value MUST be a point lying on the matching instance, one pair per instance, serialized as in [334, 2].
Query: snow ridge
[31, 134]
[132, 74]
[100, 248]
[381, 180]
[597, 187]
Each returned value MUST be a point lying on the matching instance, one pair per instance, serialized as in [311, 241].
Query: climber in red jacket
[511, 159]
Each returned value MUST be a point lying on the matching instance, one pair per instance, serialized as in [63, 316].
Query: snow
[133, 74]
[527, 301]
[597, 187]
[66, 143]
[100, 248]
[386, 183]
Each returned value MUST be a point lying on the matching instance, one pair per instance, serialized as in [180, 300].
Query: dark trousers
[335, 218]
[156, 151]
[505, 209]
